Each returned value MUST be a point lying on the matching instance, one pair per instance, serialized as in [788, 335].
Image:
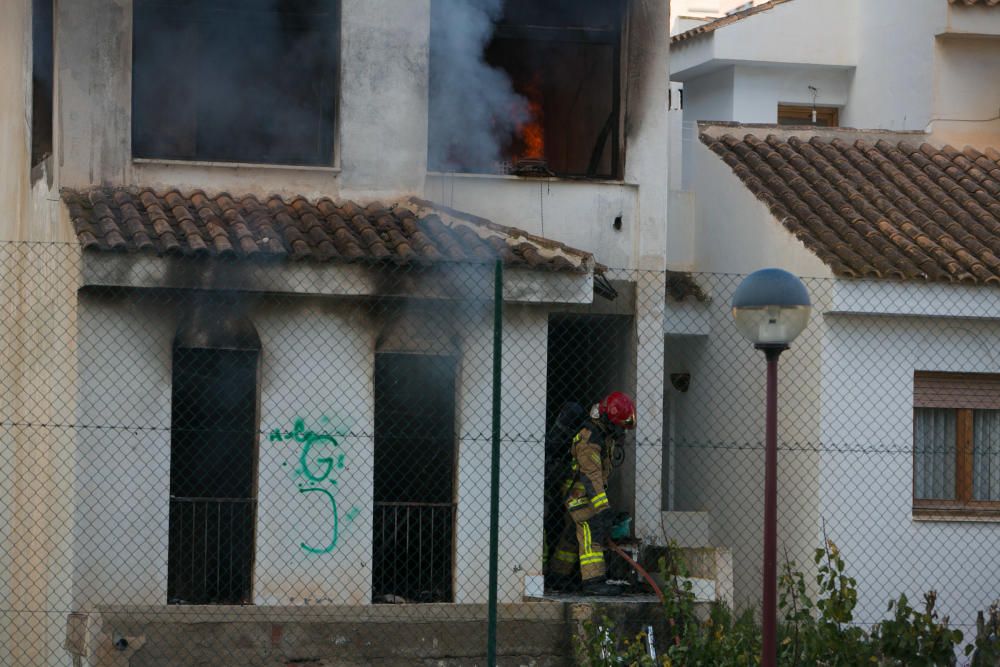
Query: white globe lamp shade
[771, 307]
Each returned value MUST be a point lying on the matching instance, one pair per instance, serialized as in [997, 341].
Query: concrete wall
[36, 338]
[382, 134]
[15, 115]
[317, 364]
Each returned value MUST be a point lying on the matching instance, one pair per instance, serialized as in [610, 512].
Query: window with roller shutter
[956, 443]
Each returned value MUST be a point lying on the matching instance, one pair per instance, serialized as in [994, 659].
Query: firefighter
[589, 517]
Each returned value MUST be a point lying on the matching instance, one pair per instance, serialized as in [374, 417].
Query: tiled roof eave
[248, 228]
[712, 26]
[884, 209]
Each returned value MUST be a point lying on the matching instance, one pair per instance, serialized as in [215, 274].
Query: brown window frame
[795, 114]
[952, 389]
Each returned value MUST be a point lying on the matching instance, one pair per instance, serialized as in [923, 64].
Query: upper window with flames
[526, 87]
[235, 80]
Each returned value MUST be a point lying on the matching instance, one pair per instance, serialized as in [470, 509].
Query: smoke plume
[474, 110]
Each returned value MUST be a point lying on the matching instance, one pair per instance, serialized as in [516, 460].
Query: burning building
[213, 156]
[553, 103]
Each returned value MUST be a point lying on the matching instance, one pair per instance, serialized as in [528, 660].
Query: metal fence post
[491, 631]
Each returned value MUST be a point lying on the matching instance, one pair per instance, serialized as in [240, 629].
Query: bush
[820, 632]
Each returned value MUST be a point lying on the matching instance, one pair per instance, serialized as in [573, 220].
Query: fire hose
[649, 580]
[638, 568]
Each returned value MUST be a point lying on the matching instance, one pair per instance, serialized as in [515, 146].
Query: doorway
[213, 466]
[414, 477]
[588, 357]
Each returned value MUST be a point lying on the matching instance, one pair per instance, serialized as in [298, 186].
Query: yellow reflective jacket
[592, 449]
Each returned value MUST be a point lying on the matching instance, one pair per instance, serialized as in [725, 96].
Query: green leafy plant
[985, 650]
[913, 637]
[818, 631]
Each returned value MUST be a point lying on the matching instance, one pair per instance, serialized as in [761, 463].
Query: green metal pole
[491, 628]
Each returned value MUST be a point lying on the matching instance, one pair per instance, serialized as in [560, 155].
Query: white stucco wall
[718, 433]
[966, 97]
[317, 364]
[803, 32]
[904, 64]
[892, 87]
[718, 423]
[709, 97]
[758, 89]
[735, 232]
[868, 366]
[522, 463]
[580, 214]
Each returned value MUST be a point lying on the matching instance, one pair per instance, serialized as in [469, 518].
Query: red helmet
[619, 409]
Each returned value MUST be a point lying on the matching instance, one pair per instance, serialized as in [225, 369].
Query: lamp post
[771, 307]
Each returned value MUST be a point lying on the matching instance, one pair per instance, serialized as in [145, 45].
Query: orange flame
[532, 132]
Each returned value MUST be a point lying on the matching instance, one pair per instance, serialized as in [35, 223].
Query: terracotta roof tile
[983, 3]
[722, 22]
[881, 209]
[222, 225]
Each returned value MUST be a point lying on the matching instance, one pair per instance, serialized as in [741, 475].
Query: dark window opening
[213, 465]
[414, 477]
[235, 80]
[805, 115]
[42, 67]
[587, 359]
[563, 58]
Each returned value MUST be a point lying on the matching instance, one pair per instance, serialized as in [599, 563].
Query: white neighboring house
[113, 122]
[900, 225]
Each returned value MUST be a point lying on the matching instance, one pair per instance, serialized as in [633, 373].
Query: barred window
[956, 442]
[213, 461]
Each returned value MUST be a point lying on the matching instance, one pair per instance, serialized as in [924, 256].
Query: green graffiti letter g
[325, 461]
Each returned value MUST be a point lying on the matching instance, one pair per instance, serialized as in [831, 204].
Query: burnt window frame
[613, 36]
[327, 157]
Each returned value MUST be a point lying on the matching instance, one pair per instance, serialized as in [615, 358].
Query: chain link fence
[211, 462]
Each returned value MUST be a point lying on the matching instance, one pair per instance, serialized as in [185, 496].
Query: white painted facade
[846, 397]
[913, 65]
[120, 537]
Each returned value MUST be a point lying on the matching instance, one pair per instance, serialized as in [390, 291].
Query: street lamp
[771, 308]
